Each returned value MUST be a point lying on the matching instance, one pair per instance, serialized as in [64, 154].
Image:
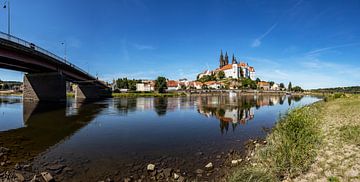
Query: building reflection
[235, 111]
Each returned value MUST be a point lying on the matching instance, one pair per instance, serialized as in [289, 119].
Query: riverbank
[148, 94]
[316, 142]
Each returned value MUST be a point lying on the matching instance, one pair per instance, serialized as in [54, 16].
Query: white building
[145, 86]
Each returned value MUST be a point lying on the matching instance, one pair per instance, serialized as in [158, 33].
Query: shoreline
[301, 145]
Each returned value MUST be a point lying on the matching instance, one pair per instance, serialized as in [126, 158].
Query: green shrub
[291, 147]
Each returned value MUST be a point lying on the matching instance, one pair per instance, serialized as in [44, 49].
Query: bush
[291, 147]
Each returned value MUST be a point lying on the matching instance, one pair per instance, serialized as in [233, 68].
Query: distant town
[228, 76]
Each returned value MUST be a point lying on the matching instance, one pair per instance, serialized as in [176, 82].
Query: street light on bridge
[64, 44]
[8, 7]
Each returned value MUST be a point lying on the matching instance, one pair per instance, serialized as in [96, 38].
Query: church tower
[221, 59]
[226, 59]
[233, 60]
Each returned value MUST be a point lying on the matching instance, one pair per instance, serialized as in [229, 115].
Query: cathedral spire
[226, 58]
[234, 60]
[221, 59]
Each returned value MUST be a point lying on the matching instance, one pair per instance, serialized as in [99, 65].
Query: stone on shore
[209, 166]
[150, 167]
[176, 176]
[47, 176]
[19, 177]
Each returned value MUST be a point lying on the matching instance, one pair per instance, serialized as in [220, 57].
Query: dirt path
[338, 158]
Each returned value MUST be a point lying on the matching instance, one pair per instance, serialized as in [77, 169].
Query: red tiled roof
[172, 83]
[226, 67]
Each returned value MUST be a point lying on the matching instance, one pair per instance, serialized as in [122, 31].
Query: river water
[118, 137]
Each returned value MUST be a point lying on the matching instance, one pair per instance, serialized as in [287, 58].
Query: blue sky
[311, 43]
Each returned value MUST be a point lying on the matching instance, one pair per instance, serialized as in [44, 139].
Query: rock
[264, 142]
[47, 176]
[234, 162]
[181, 179]
[34, 179]
[17, 166]
[55, 167]
[218, 156]
[150, 167]
[67, 169]
[1, 154]
[19, 177]
[26, 166]
[167, 172]
[199, 171]
[209, 166]
[4, 150]
[176, 176]
[127, 180]
[2, 163]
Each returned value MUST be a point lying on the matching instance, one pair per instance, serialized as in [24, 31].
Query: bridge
[46, 73]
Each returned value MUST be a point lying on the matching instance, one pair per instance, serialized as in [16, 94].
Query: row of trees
[125, 83]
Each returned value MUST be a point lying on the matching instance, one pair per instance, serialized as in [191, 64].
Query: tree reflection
[160, 105]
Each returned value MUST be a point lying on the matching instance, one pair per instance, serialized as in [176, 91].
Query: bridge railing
[39, 49]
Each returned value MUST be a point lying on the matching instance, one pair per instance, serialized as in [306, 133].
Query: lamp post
[8, 7]
[64, 44]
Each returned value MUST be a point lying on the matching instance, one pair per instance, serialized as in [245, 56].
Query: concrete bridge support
[44, 87]
[91, 92]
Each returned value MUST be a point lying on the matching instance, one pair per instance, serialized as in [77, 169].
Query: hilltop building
[234, 69]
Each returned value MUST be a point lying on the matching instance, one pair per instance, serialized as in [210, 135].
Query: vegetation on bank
[148, 94]
[354, 89]
[290, 149]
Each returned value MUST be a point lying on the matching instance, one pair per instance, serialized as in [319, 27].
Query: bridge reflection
[46, 124]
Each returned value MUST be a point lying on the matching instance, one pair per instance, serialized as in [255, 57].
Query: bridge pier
[91, 92]
[44, 87]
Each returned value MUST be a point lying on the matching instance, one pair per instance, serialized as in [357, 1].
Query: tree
[160, 84]
[271, 83]
[258, 80]
[297, 89]
[289, 86]
[282, 85]
[221, 75]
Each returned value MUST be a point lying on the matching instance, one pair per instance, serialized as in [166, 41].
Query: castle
[234, 70]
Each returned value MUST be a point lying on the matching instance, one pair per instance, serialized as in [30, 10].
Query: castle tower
[226, 59]
[234, 60]
[221, 59]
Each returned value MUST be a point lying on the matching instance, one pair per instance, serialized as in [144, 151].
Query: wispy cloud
[257, 41]
[321, 50]
[143, 47]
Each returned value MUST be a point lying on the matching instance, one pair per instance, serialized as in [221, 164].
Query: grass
[291, 148]
[350, 134]
[148, 94]
[333, 179]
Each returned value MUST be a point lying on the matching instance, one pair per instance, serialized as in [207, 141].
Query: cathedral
[235, 69]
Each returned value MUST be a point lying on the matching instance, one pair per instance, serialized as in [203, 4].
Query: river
[116, 138]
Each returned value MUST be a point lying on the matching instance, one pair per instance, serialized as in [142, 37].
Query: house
[213, 84]
[205, 73]
[173, 85]
[275, 87]
[263, 85]
[145, 86]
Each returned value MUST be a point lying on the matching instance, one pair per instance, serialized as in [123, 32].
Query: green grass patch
[291, 147]
[148, 94]
[333, 179]
[351, 134]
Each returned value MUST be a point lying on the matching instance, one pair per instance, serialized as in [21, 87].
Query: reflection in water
[46, 124]
[237, 110]
[130, 132]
